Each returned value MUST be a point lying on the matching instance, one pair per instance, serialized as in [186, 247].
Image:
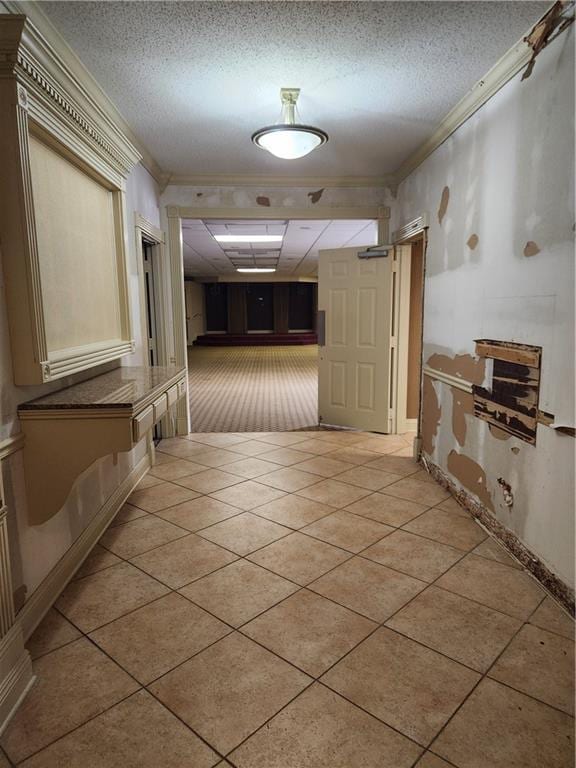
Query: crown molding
[267, 181]
[58, 59]
[500, 74]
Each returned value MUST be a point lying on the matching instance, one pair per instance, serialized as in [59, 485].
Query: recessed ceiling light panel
[255, 269]
[248, 238]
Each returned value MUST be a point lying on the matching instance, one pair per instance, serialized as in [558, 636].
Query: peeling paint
[199, 194]
[431, 413]
[443, 204]
[462, 404]
[473, 241]
[507, 491]
[498, 433]
[531, 248]
[515, 450]
[471, 475]
[262, 200]
[315, 196]
[464, 366]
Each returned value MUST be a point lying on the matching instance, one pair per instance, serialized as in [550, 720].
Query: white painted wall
[195, 320]
[35, 550]
[510, 171]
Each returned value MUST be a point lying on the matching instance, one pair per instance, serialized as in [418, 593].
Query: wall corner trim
[16, 674]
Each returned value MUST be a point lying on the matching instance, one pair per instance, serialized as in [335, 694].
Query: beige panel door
[355, 355]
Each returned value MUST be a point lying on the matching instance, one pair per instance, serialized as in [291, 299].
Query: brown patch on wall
[515, 449]
[561, 591]
[443, 207]
[462, 404]
[431, 413]
[315, 196]
[498, 433]
[531, 248]
[473, 241]
[199, 194]
[471, 475]
[265, 201]
[464, 366]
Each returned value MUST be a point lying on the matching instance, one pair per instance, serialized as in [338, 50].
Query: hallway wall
[35, 550]
[500, 265]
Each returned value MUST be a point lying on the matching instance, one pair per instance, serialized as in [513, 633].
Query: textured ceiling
[195, 79]
[297, 254]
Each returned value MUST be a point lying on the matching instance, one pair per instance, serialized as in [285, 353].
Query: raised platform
[255, 339]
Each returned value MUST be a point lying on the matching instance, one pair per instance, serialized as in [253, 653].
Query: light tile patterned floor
[297, 600]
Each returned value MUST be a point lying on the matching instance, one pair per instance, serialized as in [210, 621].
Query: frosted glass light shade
[289, 142]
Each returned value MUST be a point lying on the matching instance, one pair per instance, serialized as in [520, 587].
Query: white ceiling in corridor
[196, 79]
[296, 255]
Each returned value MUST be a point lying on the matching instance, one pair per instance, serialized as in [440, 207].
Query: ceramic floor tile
[347, 531]
[183, 560]
[98, 559]
[163, 458]
[250, 468]
[176, 469]
[239, 592]
[550, 616]
[180, 449]
[217, 439]
[409, 687]
[324, 466]
[244, 533]
[293, 511]
[287, 456]
[317, 447]
[501, 728]
[368, 588]
[209, 480]
[139, 536]
[380, 445]
[148, 481]
[73, 684]
[355, 456]
[423, 476]
[540, 664]
[283, 439]
[53, 632]
[250, 448]
[215, 457]
[452, 505]
[299, 558]
[398, 465]
[309, 631]
[104, 596]
[448, 528]
[341, 438]
[364, 477]
[429, 760]
[427, 494]
[136, 733]
[126, 514]
[229, 690]
[386, 509]
[161, 496]
[493, 584]
[157, 637]
[422, 558]
[465, 631]
[289, 479]
[248, 495]
[320, 729]
[333, 493]
[492, 550]
[198, 513]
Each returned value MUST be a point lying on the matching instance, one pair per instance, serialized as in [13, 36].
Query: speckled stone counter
[127, 387]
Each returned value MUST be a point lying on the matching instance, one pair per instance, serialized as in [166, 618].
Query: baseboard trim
[34, 610]
[16, 675]
[549, 580]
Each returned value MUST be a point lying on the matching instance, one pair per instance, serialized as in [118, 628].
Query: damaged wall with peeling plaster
[500, 265]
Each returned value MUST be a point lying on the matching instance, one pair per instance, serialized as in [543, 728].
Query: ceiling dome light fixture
[288, 139]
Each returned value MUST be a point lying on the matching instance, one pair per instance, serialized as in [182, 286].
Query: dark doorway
[302, 306]
[260, 307]
[216, 307]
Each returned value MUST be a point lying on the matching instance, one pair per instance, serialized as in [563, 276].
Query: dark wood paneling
[281, 307]
[237, 315]
[260, 306]
[216, 304]
[302, 306]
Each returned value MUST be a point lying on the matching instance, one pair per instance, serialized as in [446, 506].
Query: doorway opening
[252, 336]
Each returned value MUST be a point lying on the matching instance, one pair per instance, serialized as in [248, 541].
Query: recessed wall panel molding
[62, 221]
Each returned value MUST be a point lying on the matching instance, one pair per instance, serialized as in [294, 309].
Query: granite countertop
[124, 387]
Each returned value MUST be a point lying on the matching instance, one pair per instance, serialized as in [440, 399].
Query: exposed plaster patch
[464, 366]
[443, 204]
[473, 241]
[498, 433]
[511, 542]
[431, 413]
[471, 475]
[515, 449]
[531, 248]
[507, 491]
[462, 404]
[262, 200]
[315, 196]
